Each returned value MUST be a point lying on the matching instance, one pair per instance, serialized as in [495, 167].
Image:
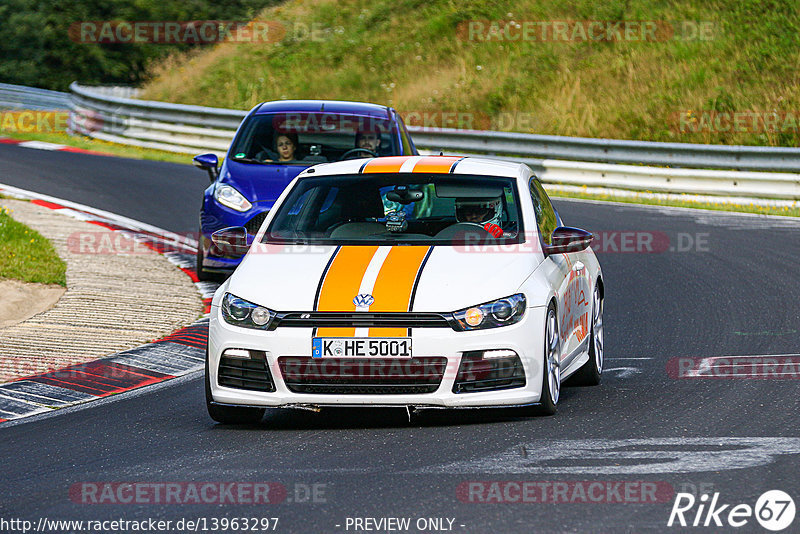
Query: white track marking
[41, 145]
[628, 456]
[623, 372]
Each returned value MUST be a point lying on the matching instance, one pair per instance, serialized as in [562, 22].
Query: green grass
[786, 211]
[27, 256]
[408, 54]
[97, 145]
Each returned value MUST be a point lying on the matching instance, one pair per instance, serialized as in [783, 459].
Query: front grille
[255, 223]
[252, 374]
[373, 376]
[476, 374]
[360, 319]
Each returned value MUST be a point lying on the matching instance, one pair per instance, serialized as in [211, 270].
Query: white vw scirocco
[417, 281]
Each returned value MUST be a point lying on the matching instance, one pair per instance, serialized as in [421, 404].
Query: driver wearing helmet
[481, 211]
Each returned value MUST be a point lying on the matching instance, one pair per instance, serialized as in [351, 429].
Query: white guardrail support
[112, 114]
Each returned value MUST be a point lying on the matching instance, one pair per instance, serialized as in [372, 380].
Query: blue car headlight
[242, 313]
[230, 197]
[500, 312]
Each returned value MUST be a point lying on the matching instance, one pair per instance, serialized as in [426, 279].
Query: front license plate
[369, 347]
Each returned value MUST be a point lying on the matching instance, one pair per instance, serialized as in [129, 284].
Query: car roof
[327, 106]
[417, 164]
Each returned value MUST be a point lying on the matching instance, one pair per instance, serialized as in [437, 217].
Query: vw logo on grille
[363, 300]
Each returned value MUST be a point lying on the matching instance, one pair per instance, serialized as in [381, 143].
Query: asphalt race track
[735, 291]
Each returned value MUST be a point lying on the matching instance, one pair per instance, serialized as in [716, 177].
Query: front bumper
[525, 338]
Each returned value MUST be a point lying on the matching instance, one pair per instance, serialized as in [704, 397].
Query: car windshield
[311, 138]
[409, 208]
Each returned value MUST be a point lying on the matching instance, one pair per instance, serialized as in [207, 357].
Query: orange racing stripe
[390, 164]
[436, 164]
[341, 284]
[395, 285]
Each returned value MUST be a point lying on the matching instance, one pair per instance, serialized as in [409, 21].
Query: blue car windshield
[390, 209]
[311, 138]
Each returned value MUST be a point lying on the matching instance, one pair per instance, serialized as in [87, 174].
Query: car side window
[546, 217]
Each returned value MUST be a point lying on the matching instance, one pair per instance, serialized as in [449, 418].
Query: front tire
[202, 274]
[551, 372]
[230, 415]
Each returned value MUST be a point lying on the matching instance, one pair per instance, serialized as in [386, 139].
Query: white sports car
[417, 281]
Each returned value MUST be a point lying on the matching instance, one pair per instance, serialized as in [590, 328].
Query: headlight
[500, 312]
[240, 312]
[230, 197]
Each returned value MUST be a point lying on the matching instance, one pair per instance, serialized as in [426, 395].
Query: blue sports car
[275, 143]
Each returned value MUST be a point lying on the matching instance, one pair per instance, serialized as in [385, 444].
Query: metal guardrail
[568, 160]
[149, 124]
[735, 157]
[22, 97]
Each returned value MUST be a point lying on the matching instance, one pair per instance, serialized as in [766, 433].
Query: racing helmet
[479, 210]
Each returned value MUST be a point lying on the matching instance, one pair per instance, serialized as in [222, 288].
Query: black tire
[547, 404]
[230, 415]
[590, 372]
[202, 274]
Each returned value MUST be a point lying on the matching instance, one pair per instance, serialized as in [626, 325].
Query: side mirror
[568, 239]
[231, 241]
[207, 162]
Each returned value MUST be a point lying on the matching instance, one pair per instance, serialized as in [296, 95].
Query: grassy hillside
[413, 55]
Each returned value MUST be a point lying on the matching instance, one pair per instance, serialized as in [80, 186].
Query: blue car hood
[260, 184]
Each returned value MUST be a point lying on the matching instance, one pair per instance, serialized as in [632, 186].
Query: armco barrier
[110, 114]
[21, 97]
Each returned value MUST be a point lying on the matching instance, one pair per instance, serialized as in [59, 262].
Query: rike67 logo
[774, 510]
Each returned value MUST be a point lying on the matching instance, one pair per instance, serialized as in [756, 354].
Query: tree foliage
[36, 48]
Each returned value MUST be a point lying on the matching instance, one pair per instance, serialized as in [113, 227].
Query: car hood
[260, 183]
[411, 278]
